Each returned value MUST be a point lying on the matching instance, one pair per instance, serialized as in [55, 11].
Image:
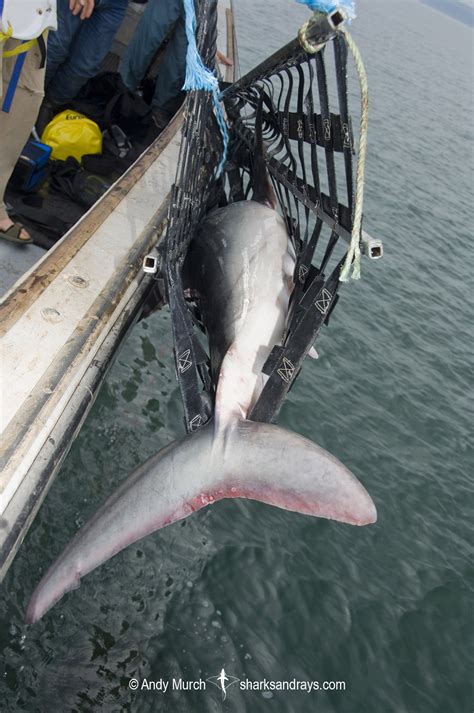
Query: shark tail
[246, 459]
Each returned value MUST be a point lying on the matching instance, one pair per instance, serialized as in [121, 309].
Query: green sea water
[267, 594]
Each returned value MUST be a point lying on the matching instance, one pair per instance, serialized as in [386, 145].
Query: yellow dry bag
[72, 134]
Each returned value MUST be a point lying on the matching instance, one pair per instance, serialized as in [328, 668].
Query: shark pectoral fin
[280, 468]
[168, 487]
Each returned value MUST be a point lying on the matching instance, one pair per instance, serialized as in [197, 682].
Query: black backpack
[106, 100]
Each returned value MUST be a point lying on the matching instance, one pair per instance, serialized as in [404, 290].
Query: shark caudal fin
[161, 491]
[281, 468]
[246, 459]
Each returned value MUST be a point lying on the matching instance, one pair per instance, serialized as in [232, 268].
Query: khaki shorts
[31, 77]
[16, 125]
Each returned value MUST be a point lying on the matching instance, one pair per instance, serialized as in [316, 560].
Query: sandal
[12, 234]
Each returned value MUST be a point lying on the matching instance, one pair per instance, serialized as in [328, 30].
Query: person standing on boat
[76, 50]
[24, 26]
[161, 20]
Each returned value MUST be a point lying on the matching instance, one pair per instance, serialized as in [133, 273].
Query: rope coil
[302, 35]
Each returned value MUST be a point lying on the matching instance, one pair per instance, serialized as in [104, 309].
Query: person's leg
[16, 125]
[89, 48]
[168, 93]
[60, 42]
[153, 27]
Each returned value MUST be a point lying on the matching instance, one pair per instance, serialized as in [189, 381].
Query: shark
[241, 263]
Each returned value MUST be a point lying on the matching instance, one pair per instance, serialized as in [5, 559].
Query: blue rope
[328, 6]
[199, 77]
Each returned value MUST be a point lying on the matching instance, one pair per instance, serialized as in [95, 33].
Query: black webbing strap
[302, 274]
[311, 129]
[284, 363]
[345, 129]
[330, 165]
[190, 359]
[42, 49]
[199, 156]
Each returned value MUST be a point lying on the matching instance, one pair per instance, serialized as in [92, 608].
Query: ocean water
[386, 609]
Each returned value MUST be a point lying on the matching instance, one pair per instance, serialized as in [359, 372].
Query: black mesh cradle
[301, 101]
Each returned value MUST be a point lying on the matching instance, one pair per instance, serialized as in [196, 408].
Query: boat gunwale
[24, 293]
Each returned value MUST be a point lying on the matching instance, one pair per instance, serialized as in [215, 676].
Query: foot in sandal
[14, 232]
